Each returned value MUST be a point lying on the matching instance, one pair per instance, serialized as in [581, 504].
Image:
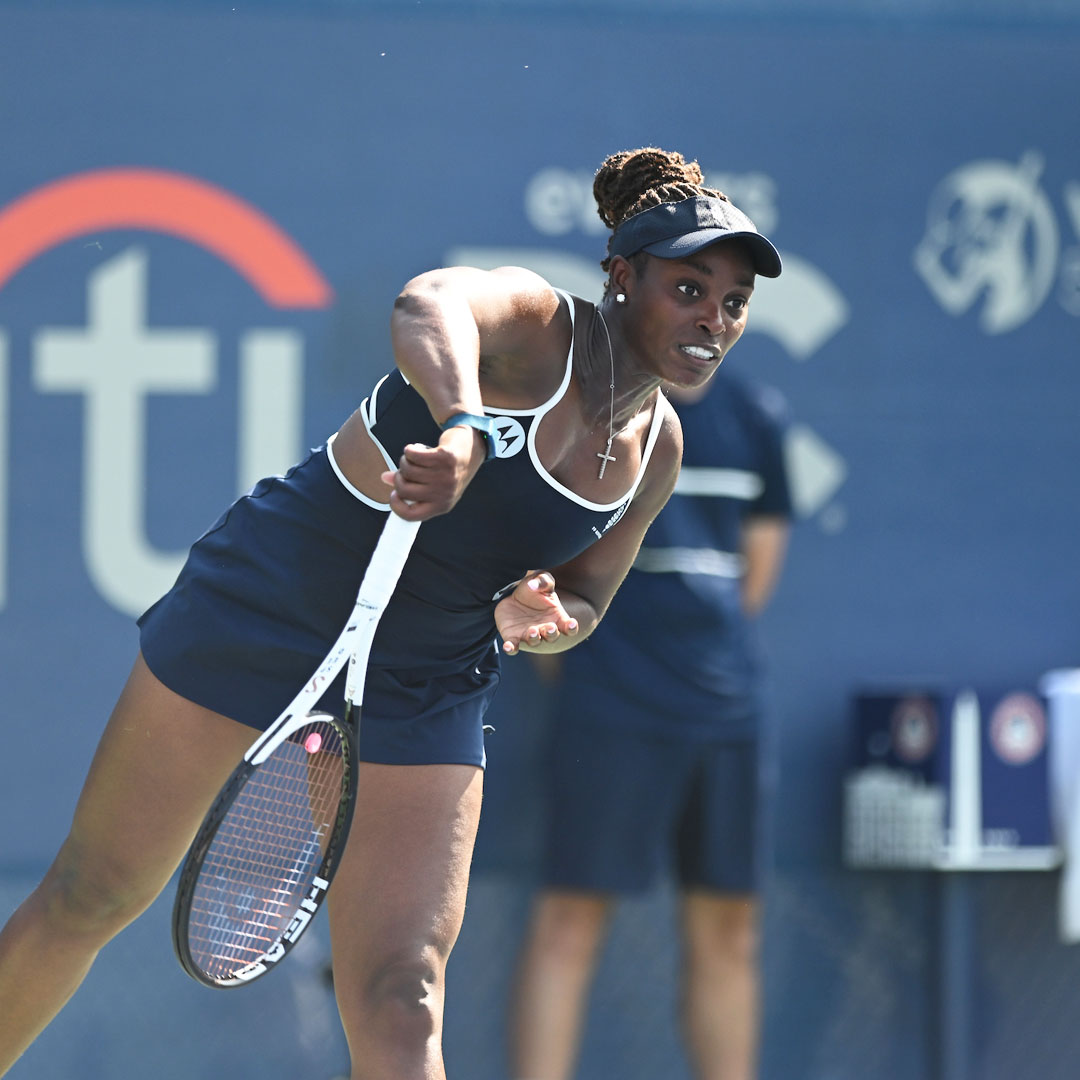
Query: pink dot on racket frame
[313, 742]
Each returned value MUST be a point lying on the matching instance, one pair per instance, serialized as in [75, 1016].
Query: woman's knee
[397, 999]
[409, 984]
[86, 895]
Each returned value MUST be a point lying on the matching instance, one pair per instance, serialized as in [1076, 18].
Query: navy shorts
[265, 593]
[627, 808]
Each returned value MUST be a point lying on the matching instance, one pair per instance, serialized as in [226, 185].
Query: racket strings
[267, 850]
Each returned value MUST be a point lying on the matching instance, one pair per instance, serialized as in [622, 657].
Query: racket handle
[387, 561]
[380, 579]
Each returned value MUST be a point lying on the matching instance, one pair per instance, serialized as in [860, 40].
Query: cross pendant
[605, 457]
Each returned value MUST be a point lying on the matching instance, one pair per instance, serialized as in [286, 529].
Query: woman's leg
[158, 766]
[396, 907]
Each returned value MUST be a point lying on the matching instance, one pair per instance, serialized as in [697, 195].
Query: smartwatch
[484, 424]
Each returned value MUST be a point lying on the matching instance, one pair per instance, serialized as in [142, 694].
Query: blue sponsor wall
[205, 214]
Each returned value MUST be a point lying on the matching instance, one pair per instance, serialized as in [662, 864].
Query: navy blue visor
[678, 229]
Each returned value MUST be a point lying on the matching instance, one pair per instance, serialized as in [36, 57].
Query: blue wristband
[484, 424]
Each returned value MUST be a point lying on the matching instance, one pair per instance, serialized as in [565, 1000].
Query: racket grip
[388, 560]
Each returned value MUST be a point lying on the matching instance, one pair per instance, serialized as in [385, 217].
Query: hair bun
[633, 180]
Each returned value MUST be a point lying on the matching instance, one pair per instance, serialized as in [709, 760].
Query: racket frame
[309, 905]
[352, 647]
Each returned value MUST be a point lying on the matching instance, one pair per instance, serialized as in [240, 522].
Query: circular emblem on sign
[914, 729]
[1018, 729]
[509, 436]
[991, 238]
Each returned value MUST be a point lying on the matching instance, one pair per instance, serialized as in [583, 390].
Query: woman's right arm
[443, 323]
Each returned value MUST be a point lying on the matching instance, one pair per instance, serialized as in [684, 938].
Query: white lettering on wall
[271, 392]
[560, 201]
[117, 362]
[574, 273]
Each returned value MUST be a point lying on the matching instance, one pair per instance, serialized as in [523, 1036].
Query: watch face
[484, 424]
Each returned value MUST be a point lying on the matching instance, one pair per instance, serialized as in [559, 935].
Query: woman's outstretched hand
[533, 616]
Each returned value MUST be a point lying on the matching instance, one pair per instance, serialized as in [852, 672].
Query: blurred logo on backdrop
[914, 729]
[802, 310]
[993, 240]
[1018, 728]
[118, 361]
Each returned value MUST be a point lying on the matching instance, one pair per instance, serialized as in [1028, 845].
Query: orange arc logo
[166, 202]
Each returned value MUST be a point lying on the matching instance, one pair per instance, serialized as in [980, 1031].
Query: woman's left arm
[550, 611]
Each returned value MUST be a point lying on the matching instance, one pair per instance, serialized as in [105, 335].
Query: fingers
[541, 634]
[536, 590]
[541, 582]
[428, 481]
[409, 510]
[532, 638]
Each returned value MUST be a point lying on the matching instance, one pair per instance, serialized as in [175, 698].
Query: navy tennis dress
[266, 591]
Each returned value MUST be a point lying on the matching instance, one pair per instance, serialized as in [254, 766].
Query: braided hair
[635, 180]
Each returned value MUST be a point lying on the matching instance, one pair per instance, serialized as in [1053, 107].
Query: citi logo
[118, 362]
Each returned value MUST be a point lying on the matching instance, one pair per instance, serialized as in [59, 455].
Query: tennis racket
[261, 863]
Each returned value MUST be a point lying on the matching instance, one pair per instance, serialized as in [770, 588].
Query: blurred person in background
[659, 749]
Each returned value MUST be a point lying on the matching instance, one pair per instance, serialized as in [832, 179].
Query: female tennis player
[526, 430]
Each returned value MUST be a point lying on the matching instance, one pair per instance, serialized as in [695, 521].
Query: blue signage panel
[957, 783]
